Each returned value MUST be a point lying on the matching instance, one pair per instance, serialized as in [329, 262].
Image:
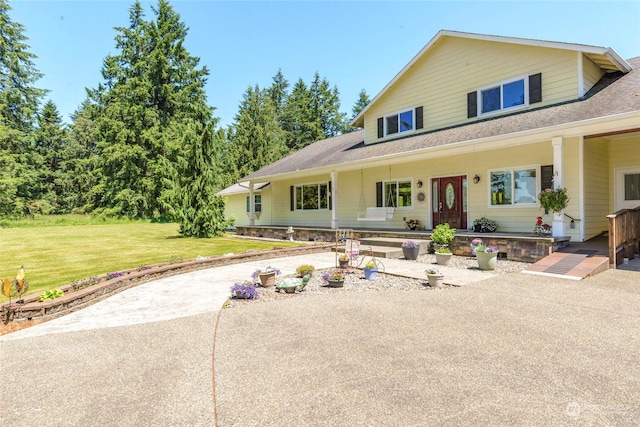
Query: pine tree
[151, 86]
[19, 100]
[256, 139]
[360, 104]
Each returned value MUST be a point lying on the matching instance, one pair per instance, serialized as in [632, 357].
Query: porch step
[393, 242]
[574, 266]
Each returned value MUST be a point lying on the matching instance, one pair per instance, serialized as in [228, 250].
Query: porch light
[476, 179]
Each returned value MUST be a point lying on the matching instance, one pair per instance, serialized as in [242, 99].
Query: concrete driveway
[512, 349]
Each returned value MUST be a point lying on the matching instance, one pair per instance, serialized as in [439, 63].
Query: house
[474, 126]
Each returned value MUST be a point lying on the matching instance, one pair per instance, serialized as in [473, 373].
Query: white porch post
[557, 142]
[252, 207]
[334, 200]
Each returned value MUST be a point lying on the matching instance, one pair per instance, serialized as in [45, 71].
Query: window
[312, 196]
[627, 188]
[514, 187]
[398, 123]
[397, 194]
[504, 95]
[257, 203]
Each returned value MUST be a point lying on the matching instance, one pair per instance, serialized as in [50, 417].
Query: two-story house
[474, 126]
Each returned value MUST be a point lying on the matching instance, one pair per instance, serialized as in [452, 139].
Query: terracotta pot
[268, 279]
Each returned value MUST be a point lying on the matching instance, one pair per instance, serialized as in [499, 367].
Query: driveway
[512, 349]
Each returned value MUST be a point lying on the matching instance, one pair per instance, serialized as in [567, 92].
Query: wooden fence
[624, 235]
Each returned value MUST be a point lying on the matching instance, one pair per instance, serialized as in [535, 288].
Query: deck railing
[624, 235]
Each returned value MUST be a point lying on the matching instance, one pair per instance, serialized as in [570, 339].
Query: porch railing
[624, 235]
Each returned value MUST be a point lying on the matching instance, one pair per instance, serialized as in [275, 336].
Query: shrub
[443, 234]
[443, 250]
[485, 225]
[52, 294]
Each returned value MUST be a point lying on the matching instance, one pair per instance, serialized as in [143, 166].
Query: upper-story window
[399, 122]
[505, 96]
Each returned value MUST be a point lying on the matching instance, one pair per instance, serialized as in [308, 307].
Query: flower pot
[268, 279]
[411, 253]
[443, 259]
[435, 280]
[370, 273]
[335, 283]
[487, 260]
[343, 263]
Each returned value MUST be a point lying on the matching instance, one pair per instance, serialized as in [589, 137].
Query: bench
[377, 214]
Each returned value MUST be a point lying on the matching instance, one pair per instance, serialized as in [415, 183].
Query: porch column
[334, 200]
[252, 207]
[557, 142]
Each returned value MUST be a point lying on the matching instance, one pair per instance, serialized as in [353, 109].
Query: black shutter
[329, 196]
[379, 194]
[380, 127]
[292, 197]
[535, 88]
[546, 177]
[472, 104]
[419, 118]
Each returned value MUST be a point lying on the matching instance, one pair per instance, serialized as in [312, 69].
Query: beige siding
[623, 153]
[440, 80]
[236, 206]
[571, 181]
[596, 187]
[282, 213]
[591, 73]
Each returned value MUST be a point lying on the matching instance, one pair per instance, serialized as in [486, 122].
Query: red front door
[448, 200]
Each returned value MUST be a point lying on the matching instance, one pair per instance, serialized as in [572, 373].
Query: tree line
[145, 143]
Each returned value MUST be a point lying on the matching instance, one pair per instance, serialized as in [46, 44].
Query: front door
[449, 201]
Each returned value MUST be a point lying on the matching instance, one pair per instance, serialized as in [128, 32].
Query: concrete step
[394, 243]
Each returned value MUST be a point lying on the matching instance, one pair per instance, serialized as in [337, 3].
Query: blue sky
[354, 44]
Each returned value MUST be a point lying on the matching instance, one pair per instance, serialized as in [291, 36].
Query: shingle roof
[613, 95]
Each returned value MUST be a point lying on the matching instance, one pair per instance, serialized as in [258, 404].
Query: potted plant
[487, 257]
[554, 200]
[343, 260]
[267, 276]
[410, 250]
[304, 269]
[485, 225]
[412, 224]
[244, 290]
[334, 278]
[370, 270]
[442, 235]
[474, 244]
[435, 277]
[443, 255]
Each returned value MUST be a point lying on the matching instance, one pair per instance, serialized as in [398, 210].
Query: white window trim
[513, 205]
[397, 180]
[295, 193]
[500, 84]
[254, 202]
[397, 113]
[619, 201]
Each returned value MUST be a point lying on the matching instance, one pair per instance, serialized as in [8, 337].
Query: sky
[355, 45]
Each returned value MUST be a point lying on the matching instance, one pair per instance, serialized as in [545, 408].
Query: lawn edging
[31, 309]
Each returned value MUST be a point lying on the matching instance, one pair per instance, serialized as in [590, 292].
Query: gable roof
[614, 95]
[606, 58]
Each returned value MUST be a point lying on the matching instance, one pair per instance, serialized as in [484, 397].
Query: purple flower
[409, 244]
[491, 249]
[244, 290]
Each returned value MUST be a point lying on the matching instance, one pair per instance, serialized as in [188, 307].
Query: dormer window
[397, 123]
[505, 96]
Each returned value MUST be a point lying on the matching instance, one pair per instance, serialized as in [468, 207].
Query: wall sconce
[419, 184]
[476, 179]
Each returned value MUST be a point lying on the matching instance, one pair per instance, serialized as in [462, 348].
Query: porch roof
[615, 94]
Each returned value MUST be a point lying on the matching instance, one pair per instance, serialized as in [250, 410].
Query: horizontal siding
[623, 153]
[236, 206]
[441, 79]
[591, 73]
[596, 184]
[284, 216]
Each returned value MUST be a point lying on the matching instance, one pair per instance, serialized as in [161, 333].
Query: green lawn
[54, 255]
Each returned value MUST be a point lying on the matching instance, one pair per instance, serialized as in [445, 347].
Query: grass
[55, 255]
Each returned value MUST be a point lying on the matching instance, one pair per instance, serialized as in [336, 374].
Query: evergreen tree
[19, 100]
[299, 120]
[151, 86]
[360, 104]
[256, 139]
[278, 93]
[325, 103]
